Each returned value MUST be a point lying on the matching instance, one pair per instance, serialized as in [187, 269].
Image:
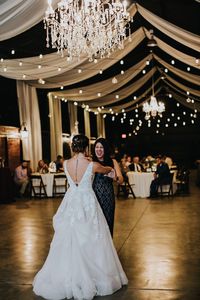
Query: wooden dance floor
[158, 242]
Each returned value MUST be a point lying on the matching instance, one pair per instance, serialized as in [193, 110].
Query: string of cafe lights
[41, 65]
[161, 124]
[110, 111]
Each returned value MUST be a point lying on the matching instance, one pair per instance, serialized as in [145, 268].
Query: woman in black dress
[103, 185]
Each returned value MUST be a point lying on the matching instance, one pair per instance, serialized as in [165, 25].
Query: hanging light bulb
[114, 80]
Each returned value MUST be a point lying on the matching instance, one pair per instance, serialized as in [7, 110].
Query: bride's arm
[98, 168]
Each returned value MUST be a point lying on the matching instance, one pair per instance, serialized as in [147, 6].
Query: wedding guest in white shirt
[136, 166]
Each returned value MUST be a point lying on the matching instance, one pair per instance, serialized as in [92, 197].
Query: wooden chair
[125, 188]
[59, 185]
[182, 181]
[37, 186]
[166, 189]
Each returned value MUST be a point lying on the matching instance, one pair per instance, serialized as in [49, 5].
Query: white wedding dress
[82, 261]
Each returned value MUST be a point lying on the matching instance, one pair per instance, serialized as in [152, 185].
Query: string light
[114, 80]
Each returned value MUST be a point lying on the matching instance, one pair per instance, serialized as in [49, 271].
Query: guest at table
[123, 167]
[168, 161]
[136, 166]
[128, 161]
[21, 177]
[161, 176]
[42, 167]
[59, 164]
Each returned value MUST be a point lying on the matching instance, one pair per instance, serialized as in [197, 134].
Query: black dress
[103, 188]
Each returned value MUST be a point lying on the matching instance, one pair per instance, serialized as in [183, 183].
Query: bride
[82, 261]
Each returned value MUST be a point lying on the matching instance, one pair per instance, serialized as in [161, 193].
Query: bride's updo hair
[79, 143]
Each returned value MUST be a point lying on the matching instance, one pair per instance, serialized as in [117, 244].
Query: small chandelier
[94, 28]
[153, 108]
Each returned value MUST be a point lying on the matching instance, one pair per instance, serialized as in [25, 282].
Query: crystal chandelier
[93, 28]
[153, 108]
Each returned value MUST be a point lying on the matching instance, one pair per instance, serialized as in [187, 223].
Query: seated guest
[59, 164]
[168, 161]
[42, 168]
[136, 166]
[123, 166]
[161, 176]
[21, 176]
[128, 161]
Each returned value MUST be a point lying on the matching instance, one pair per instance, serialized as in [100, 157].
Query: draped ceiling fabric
[55, 127]
[87, 123]
[182, 36]
[73, 118]
[13, 12]
[100, 126]
[29, 114]
[173, 42]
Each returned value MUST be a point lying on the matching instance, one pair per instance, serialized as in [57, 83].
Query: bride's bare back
[77, 166]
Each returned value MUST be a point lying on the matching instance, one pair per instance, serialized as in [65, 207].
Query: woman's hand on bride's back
[111, 174]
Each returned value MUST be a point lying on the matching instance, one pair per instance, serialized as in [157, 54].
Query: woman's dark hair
[107, 161]
[79, 143]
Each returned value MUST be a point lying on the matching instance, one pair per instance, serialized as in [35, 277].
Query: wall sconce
[23, 131]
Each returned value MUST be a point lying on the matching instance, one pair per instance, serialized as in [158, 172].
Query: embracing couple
[82, 261]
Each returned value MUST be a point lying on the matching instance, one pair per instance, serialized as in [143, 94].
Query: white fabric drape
[57, 71]
[185, 58]
[29, 113]
[119, 107]
[183, 101]
[13, 12]
[87, 123]
[55, 127]
[73, 118]
[175, 89]
[100, 126]
[105, 87]
[180, 85]
[184, 75]
[123, 93]
[184, 37]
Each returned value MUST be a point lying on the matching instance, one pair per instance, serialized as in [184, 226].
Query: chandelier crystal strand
[87, 27]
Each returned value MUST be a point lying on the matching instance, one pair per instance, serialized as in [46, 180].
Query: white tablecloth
[48, 182]
[140, 183]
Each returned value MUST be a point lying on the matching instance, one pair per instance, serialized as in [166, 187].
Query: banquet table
[140, 183]
[48, 179]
